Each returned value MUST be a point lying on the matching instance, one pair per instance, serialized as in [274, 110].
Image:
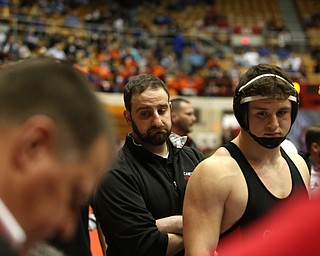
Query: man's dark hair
[138, 84]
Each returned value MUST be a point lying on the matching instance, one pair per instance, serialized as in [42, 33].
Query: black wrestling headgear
[240, 108]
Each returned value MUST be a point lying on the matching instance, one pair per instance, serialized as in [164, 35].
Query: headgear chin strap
[267, 142]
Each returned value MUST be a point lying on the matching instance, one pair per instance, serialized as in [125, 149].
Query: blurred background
[199, 48]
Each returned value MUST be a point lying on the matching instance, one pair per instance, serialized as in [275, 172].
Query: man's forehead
[150, 98]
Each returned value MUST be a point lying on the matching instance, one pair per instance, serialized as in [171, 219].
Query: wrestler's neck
[253, 150]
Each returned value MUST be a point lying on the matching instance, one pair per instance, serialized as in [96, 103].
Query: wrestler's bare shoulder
[219, 163]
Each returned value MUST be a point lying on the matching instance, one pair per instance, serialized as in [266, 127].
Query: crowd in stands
[118, 44]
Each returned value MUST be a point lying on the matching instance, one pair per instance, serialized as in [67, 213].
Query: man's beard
[154, 136]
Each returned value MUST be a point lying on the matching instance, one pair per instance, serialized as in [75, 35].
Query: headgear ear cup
[240, 110]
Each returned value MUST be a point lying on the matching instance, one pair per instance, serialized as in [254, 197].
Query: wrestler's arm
[205, 198]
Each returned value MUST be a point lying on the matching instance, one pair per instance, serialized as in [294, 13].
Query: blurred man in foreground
[56, 140]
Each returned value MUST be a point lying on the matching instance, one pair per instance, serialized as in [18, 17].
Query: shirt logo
[187, 175]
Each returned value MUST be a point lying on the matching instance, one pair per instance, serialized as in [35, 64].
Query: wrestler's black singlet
[260, 200]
